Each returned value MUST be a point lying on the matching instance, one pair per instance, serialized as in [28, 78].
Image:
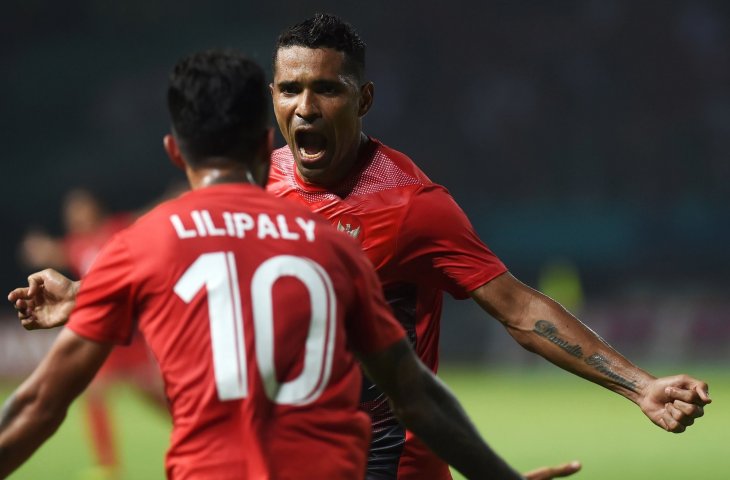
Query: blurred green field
[532, 418]
[547, 416]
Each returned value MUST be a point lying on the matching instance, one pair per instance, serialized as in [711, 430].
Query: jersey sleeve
[104, 309]
[437, 242]
[370, 324]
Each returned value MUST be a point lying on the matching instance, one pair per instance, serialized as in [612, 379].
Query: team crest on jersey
[350, 225]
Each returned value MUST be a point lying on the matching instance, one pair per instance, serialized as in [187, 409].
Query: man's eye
[288, 89]
[327, 90]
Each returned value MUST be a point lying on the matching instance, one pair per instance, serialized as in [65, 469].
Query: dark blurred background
[588, 141]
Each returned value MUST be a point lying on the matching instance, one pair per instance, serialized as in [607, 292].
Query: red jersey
[81, 250]
[252, 307]
[421, 244]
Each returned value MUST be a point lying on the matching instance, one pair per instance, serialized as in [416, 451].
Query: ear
[173, 152]
[271, 89]
[366, 98]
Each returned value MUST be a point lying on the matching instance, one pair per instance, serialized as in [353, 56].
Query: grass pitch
[531, 418]
[546, 417]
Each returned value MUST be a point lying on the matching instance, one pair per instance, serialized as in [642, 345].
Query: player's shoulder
[427, 189]
[281, 172]
[160, 210]
[391, 174]
[282, 161]
[387, 158]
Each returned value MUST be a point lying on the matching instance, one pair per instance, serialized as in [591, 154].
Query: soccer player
[255, 308]
[88, 228]
[421, 243]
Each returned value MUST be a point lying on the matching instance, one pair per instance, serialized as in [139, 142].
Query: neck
[205, 177]
[357, 154]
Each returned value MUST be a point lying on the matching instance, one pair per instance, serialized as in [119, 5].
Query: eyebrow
[327, 83]
[315, 83]
[287, 82]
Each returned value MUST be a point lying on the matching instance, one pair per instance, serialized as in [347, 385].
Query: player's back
[245, 300]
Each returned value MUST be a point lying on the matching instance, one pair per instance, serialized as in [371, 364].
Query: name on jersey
[200, 223]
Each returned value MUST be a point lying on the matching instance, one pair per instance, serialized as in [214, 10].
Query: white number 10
[217, 273]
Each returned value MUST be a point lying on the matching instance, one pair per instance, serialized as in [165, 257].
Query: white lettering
[243, 222]
[198, 223]
[236, 224]
[228, 218]
[180, 229]
[266, 227]
[284, 229]
[308, 227]
[213, 231]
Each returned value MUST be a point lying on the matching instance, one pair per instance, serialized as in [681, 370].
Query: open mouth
[311, 145]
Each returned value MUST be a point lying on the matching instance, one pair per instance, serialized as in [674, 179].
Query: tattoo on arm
[598, 362]
[550, 331]
[601, 364]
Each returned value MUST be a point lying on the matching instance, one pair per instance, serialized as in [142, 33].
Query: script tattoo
[550, 331]
[602, 365]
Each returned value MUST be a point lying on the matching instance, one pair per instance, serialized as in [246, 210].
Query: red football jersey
[253, 307]
[81, 250]
[421, 244]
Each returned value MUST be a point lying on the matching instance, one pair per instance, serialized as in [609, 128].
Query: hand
[673, 403]
[46, 302]
[546, 473]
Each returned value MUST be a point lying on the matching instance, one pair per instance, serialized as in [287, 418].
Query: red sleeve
[438, 243]
[104, 305]
[370, 324]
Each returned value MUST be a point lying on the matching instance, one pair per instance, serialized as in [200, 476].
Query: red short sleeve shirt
[421, 244]
[253, 308]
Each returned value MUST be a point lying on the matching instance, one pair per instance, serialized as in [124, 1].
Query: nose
[307, 108]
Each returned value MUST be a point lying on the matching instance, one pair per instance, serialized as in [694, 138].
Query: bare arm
[429, 409]
[39, 405]
[542, 326]
[46, 302]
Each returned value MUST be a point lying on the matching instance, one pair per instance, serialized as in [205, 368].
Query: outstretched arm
[46, 302]
[427, 407]
[39, 405]
[542, 326]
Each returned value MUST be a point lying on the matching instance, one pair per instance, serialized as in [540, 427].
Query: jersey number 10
[217, 273]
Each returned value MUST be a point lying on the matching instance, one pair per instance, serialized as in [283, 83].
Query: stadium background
[587, 140]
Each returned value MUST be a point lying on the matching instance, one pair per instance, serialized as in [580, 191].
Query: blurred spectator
[88, 227]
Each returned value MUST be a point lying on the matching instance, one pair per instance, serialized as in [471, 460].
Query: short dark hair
[218, 104]
[324, 30]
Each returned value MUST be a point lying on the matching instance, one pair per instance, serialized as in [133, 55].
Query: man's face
[318, 106]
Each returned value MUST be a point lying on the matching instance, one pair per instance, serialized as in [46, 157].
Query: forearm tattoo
[596, 361]
[550, 331]
[601, 364]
